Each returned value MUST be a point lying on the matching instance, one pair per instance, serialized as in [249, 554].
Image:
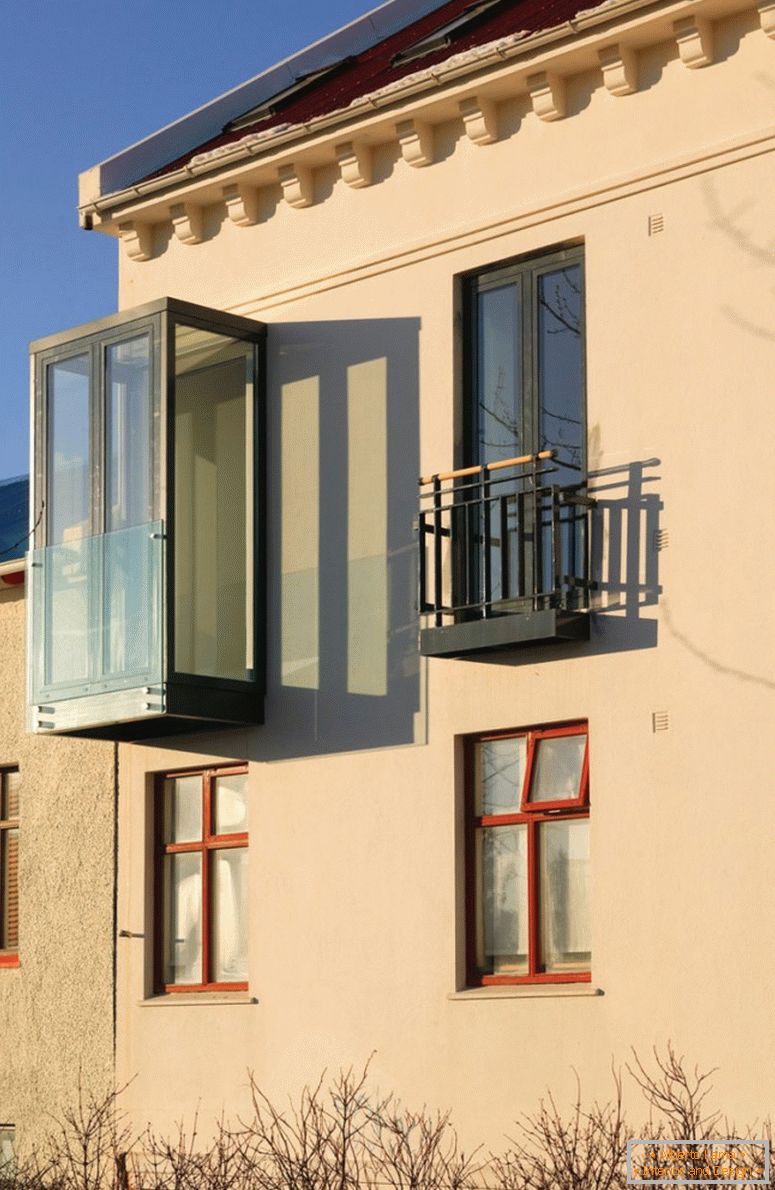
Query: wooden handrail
[462, 471]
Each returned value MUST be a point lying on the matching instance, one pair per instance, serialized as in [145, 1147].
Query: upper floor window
[9, 867]
[525, 367]
[527, 814]
[201, 881]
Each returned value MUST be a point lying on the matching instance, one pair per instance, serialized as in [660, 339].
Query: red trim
[9, 960]
[12, 580]
[531, 815]
[205, 846]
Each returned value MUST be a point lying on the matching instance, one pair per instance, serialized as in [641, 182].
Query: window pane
[68, 449]
[560, 364]
[128, 433]
[9, 806]
[9, 889]
[183, 809]
[558, 765]
[229, 924]
[502, 903]
[499, 380]
[231, 807]
[183, 918]
[564, 895]
[7, 1136]
[213, 505]
[500, 772]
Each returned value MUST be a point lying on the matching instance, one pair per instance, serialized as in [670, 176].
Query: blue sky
[80, 80]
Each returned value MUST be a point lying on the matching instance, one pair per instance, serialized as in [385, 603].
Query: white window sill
[526, 991]
[178, 999]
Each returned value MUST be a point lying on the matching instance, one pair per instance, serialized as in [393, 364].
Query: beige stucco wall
[56, 1008]
[355, 866]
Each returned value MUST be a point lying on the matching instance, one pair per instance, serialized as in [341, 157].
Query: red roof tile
[373, 69]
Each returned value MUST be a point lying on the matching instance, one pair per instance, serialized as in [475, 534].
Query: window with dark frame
[201, 880]
[7, 1154]
[527, 851]
[9, 867]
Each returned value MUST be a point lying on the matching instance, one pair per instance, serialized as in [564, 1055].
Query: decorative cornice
[480, 118]
[187, 222]
[354, 161]
[137, 239]
[767, 17]
[416, 140]
[241, 204]
[296, 181]
[547, 94]
[695, 41]
[620, 69]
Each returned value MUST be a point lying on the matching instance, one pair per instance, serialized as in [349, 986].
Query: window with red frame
[9, 867]
[528, 856]
[201, 881]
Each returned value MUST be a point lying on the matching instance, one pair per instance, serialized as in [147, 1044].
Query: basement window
[147, 568]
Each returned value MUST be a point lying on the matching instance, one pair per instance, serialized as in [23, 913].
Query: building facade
[514, 824]
[57, 842]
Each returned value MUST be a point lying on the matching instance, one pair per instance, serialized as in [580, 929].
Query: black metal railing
[504, 538]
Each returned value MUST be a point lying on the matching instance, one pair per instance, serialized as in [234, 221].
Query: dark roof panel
[390, 60]
[14, 516]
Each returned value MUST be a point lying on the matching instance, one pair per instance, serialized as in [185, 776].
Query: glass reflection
[564, 895]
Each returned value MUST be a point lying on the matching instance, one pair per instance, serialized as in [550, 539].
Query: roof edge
[145, 156]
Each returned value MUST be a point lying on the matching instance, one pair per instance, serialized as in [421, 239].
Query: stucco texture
[56, 1008]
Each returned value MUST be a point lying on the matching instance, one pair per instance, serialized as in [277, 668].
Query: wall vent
[660, 721]
[661, 539]
[656, 224]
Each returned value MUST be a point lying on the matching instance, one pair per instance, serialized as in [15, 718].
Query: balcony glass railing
[97, 604]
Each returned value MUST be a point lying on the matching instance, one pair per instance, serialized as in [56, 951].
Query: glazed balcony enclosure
[504, 556]
[147, 559]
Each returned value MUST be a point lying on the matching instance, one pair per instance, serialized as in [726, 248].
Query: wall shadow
[343, 670]
[624, 562]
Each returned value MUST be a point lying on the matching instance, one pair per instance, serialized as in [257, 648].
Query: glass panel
[230, 925]
[11, 785]
[230, 804]
[66, 579]
[7, 1137]
[9, 889]
[500, 773]
[560, 364]
[499, 380]
[69, 472]
[183, 918]
[564, 895]
[97, 612]
[213, 505]
[558, 764]
[183, 809]
[502, 903]
[128, 497]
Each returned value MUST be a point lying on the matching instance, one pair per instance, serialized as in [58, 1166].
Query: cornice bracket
[620, 69]
[480, 118]
[137, 239]
[767, 17]
[547, 94]
[241, 204]
[354, 163]
[416, 140]
[694, 35]
[296, 181]
[187, 222]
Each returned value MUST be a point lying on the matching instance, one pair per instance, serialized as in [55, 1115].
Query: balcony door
[525, 394]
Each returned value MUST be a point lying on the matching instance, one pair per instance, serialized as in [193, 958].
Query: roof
[14, 517]
[461, 25]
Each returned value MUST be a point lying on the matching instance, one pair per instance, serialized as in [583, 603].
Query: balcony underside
[473, 637]
[149, 713]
